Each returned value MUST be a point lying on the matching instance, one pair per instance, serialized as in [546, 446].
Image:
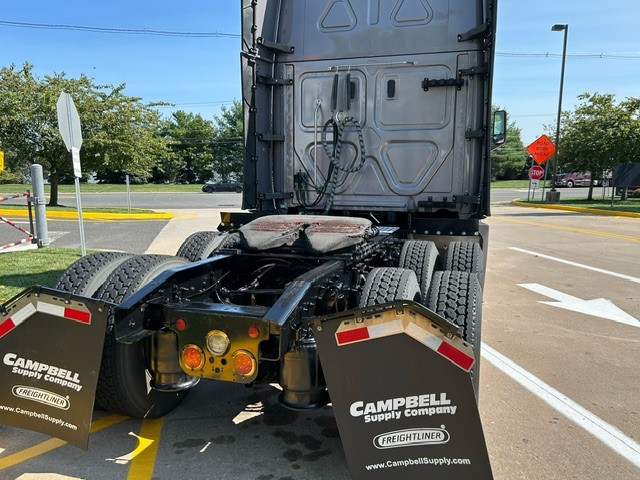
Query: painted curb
[92, 215]
[593, 211]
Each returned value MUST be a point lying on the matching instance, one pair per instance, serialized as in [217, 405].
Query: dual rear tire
[124, 379]
[455, 292]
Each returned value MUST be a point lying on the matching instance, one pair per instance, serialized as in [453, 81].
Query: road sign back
[69, 122]
[541, 149]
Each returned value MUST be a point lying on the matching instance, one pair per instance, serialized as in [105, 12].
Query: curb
[592, 211]
[93, 215]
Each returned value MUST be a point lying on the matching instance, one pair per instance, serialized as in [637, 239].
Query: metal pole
[557, 28]
[126, 177]
[40, 202]
[83, 245]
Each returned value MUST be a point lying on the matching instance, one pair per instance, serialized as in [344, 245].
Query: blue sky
[200, 74]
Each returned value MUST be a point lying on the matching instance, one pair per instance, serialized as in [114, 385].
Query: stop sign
[536, 172]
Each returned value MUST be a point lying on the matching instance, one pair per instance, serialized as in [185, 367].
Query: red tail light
[254, 332]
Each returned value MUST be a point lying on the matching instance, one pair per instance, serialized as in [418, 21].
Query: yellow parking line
[566, 228]
[53, 443]
[142, 465]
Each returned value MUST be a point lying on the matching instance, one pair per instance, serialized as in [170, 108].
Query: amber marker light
[193, 357]
[244, 363]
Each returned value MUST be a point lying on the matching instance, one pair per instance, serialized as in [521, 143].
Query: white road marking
[143, 443]
[249, 412]
[205, 447]
[599, 307]
[603, 431]
[580, 265]
[53, 236]
[2, 450]
[47, 476]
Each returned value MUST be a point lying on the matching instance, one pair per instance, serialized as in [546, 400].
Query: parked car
[222, 186]
[574, 179]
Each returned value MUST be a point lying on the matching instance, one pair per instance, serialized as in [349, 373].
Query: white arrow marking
[599, 307]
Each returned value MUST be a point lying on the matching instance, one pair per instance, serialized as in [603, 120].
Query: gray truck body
[413, 75]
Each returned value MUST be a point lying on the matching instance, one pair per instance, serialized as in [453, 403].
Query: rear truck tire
[457, 296]
[197, 246]
[464, 257]
[123, 385]
[86, 275]
[421, 257]
[202, 245]
[386, 284]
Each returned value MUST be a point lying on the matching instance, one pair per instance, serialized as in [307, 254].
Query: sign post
[536, 172]
[69, 126]
[542, 149]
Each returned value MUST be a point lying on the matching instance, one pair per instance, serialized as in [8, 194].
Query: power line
[195, 104]
[119, 31]
[601, 55]
[170, 33]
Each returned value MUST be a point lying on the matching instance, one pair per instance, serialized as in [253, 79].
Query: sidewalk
[184, 223]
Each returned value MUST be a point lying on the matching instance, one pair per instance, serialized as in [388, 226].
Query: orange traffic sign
[541, 149]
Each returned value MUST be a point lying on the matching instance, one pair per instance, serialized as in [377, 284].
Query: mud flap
[50, 352]
[398, 377]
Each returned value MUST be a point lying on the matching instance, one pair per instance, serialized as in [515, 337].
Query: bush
[635, 193]
[7, 177]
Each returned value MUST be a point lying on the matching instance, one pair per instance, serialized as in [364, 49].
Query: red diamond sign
[541, 149]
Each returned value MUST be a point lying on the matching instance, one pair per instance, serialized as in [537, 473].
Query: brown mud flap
[398, 377]
[50, 352]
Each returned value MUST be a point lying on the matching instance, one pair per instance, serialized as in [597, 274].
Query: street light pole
[559, 27]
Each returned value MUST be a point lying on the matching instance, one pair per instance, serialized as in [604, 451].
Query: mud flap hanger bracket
[449, 329]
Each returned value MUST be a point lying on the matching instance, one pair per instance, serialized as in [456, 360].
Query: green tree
[599, 134]
[118, 131]
[509, 161]
[227, 145]
[190, 138]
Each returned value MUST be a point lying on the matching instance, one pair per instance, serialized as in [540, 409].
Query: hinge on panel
[442, 82]
[481, 31]
[474, 134]
[470, 72]
[469, 199]
[274, 81]
[275, 196]
[275, 47]
[270, 137]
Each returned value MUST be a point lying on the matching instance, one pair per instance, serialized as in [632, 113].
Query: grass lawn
[630, 205]
[61, 208]
[43, 266]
